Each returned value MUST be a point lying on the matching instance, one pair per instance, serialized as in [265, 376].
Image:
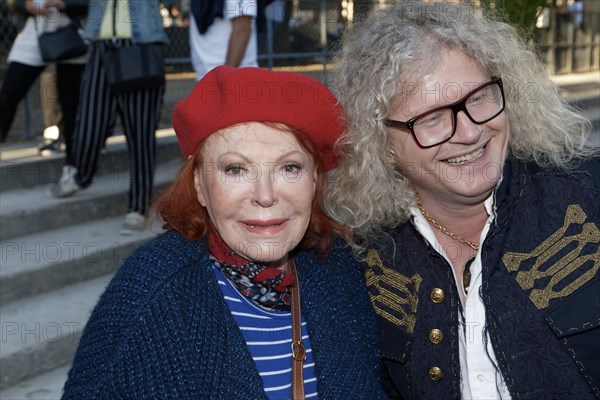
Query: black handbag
[133, 67]
[62, 44]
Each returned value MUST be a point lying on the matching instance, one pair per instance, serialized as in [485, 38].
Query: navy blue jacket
[162, 330]
[205, 12]
[540, 287]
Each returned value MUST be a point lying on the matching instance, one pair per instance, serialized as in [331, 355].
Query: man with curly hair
[473, 196]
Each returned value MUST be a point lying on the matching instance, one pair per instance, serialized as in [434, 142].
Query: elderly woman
[472, 195]
[203, 311]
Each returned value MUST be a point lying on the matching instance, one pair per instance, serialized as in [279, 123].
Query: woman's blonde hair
[395, 48]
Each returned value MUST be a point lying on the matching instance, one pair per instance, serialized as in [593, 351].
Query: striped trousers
[139, 112]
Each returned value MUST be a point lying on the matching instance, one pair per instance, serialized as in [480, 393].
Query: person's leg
[69, 85]
[96, 108]
[140, 116]
[51, 111]
[17, 80]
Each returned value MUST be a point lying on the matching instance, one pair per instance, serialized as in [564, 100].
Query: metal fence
[293, 31]
[570, 41]
[299, 32]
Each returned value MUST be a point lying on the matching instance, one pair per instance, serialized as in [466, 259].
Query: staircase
[58, 255]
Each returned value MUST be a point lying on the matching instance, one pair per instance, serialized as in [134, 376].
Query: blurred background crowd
[303, 34]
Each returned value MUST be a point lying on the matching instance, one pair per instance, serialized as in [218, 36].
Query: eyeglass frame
[460, 105]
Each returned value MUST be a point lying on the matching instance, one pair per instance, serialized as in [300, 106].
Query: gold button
[436, 336]
[437, 295]
[436, 373]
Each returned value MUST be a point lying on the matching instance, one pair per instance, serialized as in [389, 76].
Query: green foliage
[520, 13]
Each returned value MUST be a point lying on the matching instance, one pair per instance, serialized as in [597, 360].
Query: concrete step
[22, 167]
[41, 333]
[43, 313]
[47, 261]
[57, 255]
[582, 91]
[588, 100]
[47, 386]
[28, 211]
[588, 104]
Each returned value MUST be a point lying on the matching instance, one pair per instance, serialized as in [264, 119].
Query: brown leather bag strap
[298, 350]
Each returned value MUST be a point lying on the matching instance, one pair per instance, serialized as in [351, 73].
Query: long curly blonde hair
[399, 45]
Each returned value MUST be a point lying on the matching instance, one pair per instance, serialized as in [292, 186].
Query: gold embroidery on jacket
[563, 267]
[394, 296]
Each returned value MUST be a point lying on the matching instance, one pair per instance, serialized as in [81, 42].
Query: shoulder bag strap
[114, 19]
[298, 350]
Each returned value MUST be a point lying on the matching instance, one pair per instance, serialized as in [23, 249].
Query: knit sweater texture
[162, 330]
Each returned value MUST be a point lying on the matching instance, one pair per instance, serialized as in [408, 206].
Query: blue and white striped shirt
[268, 335]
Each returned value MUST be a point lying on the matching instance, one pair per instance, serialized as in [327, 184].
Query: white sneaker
[66, 185]
[51, 132]
[134, 223]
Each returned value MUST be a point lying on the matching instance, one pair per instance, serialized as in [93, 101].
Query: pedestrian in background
[222, 32]
[476, 201]
[272, 16]
[25, 64]
[115, 24]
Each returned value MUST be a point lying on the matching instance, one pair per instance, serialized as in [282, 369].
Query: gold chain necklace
[466, 275]
[443, 229]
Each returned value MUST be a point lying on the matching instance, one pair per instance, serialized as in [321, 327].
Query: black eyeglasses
[437, 126]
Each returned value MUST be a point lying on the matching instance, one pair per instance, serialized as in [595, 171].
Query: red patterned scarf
[270, 287]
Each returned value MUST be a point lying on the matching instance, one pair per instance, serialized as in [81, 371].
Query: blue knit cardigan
[162, 330]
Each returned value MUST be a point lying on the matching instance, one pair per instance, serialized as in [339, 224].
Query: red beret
[227, 96]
